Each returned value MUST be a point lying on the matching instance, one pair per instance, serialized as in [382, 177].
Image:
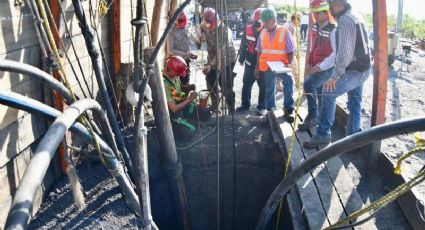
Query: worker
[304, 26]
[248, 56]
[352, 68]
[181, 105]
[275, 44]
[178, 44]
[321, 59]
[214, 67]
[294, 27]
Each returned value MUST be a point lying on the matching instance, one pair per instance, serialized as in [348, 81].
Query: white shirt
[304, 19]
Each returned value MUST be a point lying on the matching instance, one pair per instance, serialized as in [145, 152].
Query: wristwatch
[336, 77]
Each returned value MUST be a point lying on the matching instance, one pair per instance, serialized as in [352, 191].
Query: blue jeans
[351, 82]
[248, 82]
[312, 85]
[267, 84]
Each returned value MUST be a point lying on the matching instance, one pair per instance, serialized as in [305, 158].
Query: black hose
[88, 36]
[112, 164]
[348, 143]
[22, 68]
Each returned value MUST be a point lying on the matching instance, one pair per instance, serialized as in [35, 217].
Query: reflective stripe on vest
[250, 38]
[274, 50]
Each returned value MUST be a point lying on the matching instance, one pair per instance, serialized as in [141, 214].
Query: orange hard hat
[319, 6]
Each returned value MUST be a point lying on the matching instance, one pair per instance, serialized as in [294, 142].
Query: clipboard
[278, 67]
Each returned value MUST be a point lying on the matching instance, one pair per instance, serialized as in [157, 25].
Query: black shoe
[316, 142]
[242, 109]
[289, 115]
[308, 123]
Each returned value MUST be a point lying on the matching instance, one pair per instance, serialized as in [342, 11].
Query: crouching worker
[180, 104]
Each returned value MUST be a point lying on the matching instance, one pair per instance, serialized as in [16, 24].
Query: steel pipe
[22, 68]
[22, 203]
[344, 145]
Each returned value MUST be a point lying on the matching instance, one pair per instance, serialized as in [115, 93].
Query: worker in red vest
[321, 60]
[180, 105]
[351, 70]
[248, 56]
[275, 44]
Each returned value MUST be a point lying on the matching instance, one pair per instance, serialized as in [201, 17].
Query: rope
[55, 28]
[61, 71]
[297, 107]
[74, 50]
[390, 197]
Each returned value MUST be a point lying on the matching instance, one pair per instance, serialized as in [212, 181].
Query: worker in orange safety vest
[276, 45]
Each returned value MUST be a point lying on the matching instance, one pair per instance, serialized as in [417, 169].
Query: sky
[415, 8]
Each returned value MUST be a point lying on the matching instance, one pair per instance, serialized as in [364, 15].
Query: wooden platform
[327, 193]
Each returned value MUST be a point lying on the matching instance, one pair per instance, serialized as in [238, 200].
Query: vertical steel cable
[88, 36]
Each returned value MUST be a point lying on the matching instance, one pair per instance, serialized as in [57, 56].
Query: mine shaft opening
[240, 194]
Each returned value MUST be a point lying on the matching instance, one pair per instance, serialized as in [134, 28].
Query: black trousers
[226, 84]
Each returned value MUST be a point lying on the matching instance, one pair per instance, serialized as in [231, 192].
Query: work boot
[289, 115]
[242, 109]
[262, 112]
[308, 123]
[317, 141]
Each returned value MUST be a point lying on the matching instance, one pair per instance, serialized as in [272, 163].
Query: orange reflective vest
[274, 50]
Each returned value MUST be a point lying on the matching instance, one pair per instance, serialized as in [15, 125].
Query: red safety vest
[320, 43]
[250, 39]
[274, 50]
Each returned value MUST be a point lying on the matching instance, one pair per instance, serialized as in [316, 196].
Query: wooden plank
[30, 89]
[330, 199]
[11, 174]
[29, 55]
[6, 201]
[344, 198]
[313, 209]
[18, 136]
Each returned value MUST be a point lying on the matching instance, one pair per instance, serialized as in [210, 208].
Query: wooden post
[55, 9]
[116, 37]
[169, 156]
[380, 72]
[172, 9]
[156, 18]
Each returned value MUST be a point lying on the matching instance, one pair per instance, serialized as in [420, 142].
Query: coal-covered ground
[107, 210]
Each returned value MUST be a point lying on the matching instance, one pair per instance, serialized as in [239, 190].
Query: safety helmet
[257, 15]
[209, 17]
[319, 6]
[267, 14]
[176, 64]
[181, 20]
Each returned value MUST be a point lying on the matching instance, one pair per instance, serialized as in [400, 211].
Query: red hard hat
[257, 14]
[177, 64]
[209, 17]
[181, 20]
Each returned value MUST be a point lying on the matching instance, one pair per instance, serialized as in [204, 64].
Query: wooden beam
[55, 9]
[156, 18]
[380, 68]
[172, 9]
[116, 37]
[380, 74]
